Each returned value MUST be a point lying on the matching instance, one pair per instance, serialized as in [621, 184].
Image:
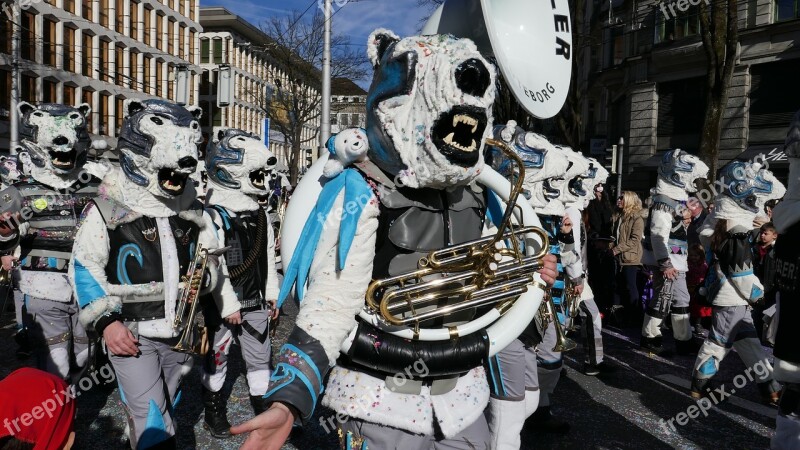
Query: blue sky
[356, 19]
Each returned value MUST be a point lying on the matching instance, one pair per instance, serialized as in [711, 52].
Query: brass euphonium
[572, 302]
[5, 278]
[191, 337]
[490, 271]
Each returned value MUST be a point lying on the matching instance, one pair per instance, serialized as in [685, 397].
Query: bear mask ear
[196, 111]
[24, 108]
[377, 44]
[85, 109]
[132, 106]
[220, 134]
[331, 145]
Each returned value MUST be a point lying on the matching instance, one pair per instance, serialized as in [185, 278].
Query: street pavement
[626, 409]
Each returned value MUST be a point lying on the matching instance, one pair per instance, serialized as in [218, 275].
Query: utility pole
[620, 148]
[325, 120]
[14, 116]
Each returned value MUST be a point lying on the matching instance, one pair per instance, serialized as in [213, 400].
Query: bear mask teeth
[171, 181]
[63, 160]
[458, 133]
[257, 179]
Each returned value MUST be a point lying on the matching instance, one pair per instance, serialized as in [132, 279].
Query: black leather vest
[240, 236]
[135, 258]
[54, 215]
[787, 280]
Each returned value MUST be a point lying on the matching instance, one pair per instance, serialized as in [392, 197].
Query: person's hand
[671, 273]
[566, 225]
[274, 311]
[120, 340]
[549, 270]
[268, 430]
[234, 319]
[8, 261]
[579, 289]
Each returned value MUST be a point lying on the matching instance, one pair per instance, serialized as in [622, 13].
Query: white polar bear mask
[240, 161]
[428, 109]
[346, 147]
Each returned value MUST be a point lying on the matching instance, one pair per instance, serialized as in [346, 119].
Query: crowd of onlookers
[623, 285]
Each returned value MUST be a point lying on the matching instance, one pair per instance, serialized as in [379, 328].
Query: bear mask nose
[187, 162]
[60, 140]
[472, 77]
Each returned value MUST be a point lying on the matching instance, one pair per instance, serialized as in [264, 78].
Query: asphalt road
[627, 409]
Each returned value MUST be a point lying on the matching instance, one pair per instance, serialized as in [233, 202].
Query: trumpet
[192, 335]
[547, 313]
[572, 301]
[491, 271]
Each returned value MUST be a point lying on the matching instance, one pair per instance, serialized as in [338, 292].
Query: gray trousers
[592, 331]
[148, 387]
[548, 365]
[253, 337]
[671, 297]
[356, 434]
[732, 326]
[56, 335]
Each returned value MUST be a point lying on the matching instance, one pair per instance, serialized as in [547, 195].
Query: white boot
[505, 423]
[531, 402]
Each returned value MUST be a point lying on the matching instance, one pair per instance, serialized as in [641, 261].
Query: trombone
[191, 337]
[548, 313]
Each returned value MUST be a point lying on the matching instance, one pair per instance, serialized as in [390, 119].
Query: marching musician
[135, 241]
[238, 169]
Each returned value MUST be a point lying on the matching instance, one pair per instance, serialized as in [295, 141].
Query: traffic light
[610, 159]
[308, 157]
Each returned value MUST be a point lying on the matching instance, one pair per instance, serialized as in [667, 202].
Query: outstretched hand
[549, 270]
[268, 430]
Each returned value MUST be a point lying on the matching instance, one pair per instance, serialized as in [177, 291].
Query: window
[191, 11]
[159, 31]
[786, 10]
[333, 119]
[88, 9]
[148, 83]
[104, 63]
[170, 85]
[104, 13]
[86, 55]
[104, 115]
[160, 78]
[217, 48]
[49, 42]
[49, 91]
[119, 11]
[181, 42]
[5, 93]
[28, 36]
[191, 57]
[69, 95]
[146, 25]
[69, 6]
[343, 121]
[205, 50]
[684, 25]
[119, 68]
[191, 89]
[216, 115]
[134, 76]
[68, 50]
[28, 89]
[86, 97]
[134, 33]
[170, 37]
[354, 121]
[5, 38]
[118, 114]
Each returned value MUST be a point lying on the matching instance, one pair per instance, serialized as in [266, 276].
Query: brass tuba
[192, 338]
[548, 313]
[489, 272]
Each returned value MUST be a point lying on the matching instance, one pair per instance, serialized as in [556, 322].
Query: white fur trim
[138, 199]
[231, 199]
[332, 168]
[258, 381]
[372, 47]
[99, 307]
[670, 190]
[365, 397]
[53, 286]
[123, 290]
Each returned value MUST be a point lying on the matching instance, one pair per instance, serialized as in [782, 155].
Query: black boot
[169, 444]
[653, 344]
[259, 403]
[690, 347]
[216, 420]
[543, 421]
[770, 392]
[23, 344]
[701, 387]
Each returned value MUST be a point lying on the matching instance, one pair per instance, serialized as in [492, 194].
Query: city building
[227, 39]
[644, 81]
[348, 105]
[99, 52]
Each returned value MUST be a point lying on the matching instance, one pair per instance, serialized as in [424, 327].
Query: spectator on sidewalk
[764, 268]
[628, 232]
[699, 309]
[601, 265]
[698, 216]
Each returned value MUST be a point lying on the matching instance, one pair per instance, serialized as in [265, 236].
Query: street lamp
[620, 146]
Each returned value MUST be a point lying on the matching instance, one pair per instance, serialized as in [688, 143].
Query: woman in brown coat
[628, 231]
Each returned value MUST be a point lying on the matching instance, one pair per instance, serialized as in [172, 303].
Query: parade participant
[513, 378]
[57, 185]
[135, 242]
[786, 218]
[425, 132]
[727, 233]
[592, 328]
[238, 164]
[559, 227]
[10, 174]
[665, 251]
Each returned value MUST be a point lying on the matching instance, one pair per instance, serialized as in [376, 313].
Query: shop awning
[771, 154]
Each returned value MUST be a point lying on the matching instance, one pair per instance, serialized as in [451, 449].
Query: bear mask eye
[74, 116]
[157, 120]
[38, 114]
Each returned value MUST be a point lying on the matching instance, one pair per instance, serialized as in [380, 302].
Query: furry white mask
[678, 173]
[429, 108]
[346, 147]
[746, 189]
[579, 166]
[158, 145]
